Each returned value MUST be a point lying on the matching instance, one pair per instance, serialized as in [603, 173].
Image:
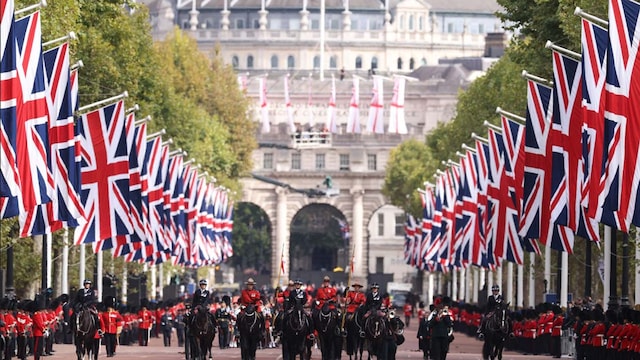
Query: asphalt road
[462, 348]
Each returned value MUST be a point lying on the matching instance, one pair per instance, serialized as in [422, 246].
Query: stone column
[281, 249]
[263, 19]
[358, 231]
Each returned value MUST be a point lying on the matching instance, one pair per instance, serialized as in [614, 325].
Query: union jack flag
[595, 41]
[621, 129]
[176, 181]
[32, 129]
[375, 123]
[65, 207]
[137, 141]
[409, 240]
[436, 229]
[428, 204]
[105, 175]
[538, 124]
[10, 195]
[470, 249]
[483, 155]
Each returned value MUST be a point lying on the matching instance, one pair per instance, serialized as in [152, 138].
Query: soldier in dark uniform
[374, 299]
[223, 316]
[200, 300]
[493, 299]
[84, 297]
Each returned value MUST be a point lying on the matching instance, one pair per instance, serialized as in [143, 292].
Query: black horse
[297, 332]
[355, 335]
[376, 332]
[251, 327]
[202, 332]
[85, 327]
[497, 328]
[327, 324]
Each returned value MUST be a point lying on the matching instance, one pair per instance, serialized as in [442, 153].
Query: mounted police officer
[492, 301]
[85, 297]
[200, 300]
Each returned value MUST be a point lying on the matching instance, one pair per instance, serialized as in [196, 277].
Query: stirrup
[480, 336]
[362, 334]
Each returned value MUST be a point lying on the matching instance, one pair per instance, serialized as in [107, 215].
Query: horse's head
[250, 309]
[375, 326]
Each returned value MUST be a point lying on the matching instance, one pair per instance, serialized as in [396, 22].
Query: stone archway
[252, 237]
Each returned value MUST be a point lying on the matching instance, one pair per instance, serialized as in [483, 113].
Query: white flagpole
[520, 287]
[99, 272]
[83, 266]
[454, 284]
[431, 288]
[110, 100]
[564, 287]
[154, 282]
[65, 261]
[509, 282]
[532, 280]
[607, 266]
[547, 266]
[124, 283]
[49, 242]
[322, 35]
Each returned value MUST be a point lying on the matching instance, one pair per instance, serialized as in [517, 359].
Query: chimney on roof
[494, 44]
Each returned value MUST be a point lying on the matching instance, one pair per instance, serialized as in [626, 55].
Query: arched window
[412, 64]
[423, 62]
[333, 62]
[316, 62]
[250, 62]
[274, 61]
[374, 62]
[411, 22]
[399, 63]
[291, 62]
[420, 23]
[358, 62]
[235, 62]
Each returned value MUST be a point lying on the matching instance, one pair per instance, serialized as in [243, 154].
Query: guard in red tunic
[251, 296]
[145, 321]
[111, 323]
[326, 294]
[556, 332]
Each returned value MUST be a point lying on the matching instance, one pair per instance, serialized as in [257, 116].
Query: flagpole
[112, 99]
[279, 274]
[39, 5]
[70, 36]
[579, 12]
[351, 265]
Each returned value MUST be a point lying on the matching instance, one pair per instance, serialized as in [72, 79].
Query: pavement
[462, 348]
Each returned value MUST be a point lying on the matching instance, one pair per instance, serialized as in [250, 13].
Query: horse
[202, 332]
[497, 328]
[327, 324]
[84, 334]
[375, 332]
[297, 331]
[355, 336]
[251, 327]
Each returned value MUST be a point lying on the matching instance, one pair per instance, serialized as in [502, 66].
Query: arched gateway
[304, 227]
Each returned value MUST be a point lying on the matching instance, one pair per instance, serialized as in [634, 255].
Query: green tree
[251, 237]
[405, 173]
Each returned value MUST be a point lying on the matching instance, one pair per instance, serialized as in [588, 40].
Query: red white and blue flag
[10, 194]
[105, 175]
[32, 136]
[621, 129]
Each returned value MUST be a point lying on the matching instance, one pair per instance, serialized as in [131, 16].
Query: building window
[401, 22]
[372, 162]
[450, 27]
[379, 265]
[316, 62]
[423, 61]
[374, 62]
[291, 62]
[412, 63]
[344, 162]
[359, 62]
[420, 23]
[333, 62]
[256, 24]
[380, 224]
[411, 22]
[235, 62]
[274, 61]
[400, 223]
[295, 161]
[399, 63]
[239, 24]
[319, 161]
[480, 28]
[267, 161]
[250, 62]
